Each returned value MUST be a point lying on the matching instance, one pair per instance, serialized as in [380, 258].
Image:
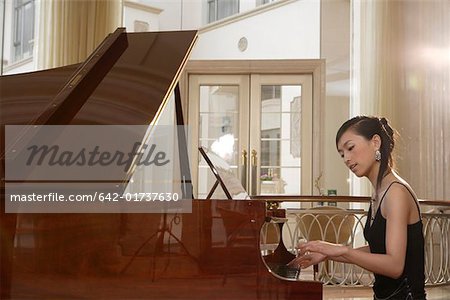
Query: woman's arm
[312, 258]
[365, 249]
[396, 209]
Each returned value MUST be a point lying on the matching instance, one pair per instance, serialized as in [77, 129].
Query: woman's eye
[351, 148]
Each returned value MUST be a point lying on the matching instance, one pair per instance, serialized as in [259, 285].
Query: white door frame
[314, 67]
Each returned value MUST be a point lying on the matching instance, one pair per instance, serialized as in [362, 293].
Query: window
[23, 27]
[270, 92]
[262, 2]
[219, 9]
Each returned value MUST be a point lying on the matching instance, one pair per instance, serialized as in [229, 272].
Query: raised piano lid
[134, 92]
[128, 256]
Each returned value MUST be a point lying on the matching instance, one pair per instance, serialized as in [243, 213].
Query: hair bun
[388, 130]
[385, 125]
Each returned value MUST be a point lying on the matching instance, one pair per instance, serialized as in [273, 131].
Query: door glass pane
[218, 129]
[280, 169]
[232, 159]
[213, 125]
[223, 98]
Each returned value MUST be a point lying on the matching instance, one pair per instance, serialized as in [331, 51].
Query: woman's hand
[327, 249]
[306, 260]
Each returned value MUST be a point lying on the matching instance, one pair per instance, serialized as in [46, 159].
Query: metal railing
[346, 226]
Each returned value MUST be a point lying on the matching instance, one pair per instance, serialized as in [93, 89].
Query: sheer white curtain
[374, 79]
[404, 74]
[70, 30]
[424, 105]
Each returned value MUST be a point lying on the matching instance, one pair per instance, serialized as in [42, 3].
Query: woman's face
[358, 153]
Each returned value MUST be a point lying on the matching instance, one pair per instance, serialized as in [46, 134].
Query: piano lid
[134, 92]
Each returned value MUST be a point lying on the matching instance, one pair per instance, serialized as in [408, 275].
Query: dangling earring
[377, 155]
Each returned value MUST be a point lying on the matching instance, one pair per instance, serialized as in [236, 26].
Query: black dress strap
[410, 192]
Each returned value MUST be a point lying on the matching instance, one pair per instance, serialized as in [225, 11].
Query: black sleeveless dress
[413, 277]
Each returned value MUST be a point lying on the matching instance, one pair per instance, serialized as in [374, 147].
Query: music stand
[229, 183]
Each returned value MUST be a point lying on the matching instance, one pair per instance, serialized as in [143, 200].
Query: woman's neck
[373, 175]
[388, 176]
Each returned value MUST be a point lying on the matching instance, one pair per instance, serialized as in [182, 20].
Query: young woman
[393, 230]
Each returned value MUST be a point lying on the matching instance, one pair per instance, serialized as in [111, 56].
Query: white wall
[335, 174]
[291, 31]
[136, 13]
[170, 18]
[335, 48]
[192, 18]
[188, 14]
[245, 5]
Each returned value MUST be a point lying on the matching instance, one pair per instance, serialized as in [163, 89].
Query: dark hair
[367, 127]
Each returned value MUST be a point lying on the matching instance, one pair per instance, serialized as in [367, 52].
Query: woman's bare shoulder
[400, 199]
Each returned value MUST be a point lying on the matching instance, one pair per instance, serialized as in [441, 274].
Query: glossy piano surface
[132, 93]
[211, 253]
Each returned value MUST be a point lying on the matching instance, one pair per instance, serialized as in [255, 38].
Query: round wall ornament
[242, 44]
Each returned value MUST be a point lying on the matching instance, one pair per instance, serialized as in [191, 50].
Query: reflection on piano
[83, 255]
[277, 262]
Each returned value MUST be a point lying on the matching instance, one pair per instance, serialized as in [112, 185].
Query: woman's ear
[376, 141]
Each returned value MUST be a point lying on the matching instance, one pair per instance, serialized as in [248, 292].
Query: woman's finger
[294, 263]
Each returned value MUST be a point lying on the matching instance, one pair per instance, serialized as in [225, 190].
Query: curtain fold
[70, 30]
[405, 76]
[425, 70]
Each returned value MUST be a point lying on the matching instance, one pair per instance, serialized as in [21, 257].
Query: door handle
[254, 158]
[254, 172]
[244, 169]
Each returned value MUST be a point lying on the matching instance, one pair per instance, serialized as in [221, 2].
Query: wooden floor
[441, 292]
[344, 293]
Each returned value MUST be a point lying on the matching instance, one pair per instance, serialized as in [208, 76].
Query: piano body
[198, 255]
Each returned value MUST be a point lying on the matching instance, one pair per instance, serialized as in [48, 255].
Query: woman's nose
[346, 158]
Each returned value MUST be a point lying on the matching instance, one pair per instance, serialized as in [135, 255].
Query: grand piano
[212, 252]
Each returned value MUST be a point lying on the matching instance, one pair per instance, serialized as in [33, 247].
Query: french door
[260, 124]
